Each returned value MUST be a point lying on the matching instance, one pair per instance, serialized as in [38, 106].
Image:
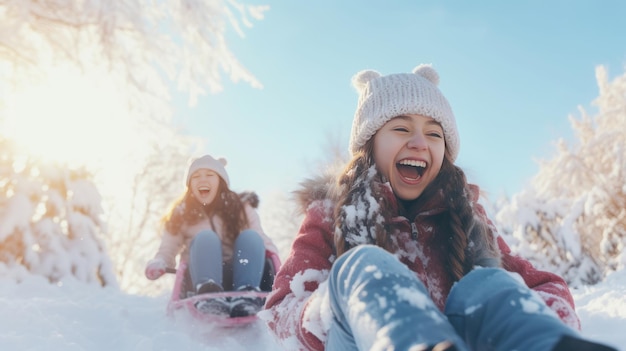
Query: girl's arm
[170, 247]
[295, 315]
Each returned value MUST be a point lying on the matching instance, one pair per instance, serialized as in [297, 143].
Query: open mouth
[411, 169]
[204, 190]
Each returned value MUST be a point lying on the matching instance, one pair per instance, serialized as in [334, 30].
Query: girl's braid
[455, 189]
[472, 241]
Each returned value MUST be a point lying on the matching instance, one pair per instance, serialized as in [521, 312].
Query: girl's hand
[155, 268]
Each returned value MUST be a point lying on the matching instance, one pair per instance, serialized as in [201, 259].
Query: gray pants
[245, 269]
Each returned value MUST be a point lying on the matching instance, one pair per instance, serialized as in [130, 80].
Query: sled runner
[184, 296]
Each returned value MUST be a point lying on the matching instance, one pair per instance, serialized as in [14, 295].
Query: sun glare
[68, 118]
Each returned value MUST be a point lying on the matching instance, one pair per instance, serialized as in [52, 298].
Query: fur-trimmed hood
[323, 186]
[250, 197]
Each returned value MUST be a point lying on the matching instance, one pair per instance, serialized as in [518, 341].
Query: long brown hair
[227, 205]
[358, 186]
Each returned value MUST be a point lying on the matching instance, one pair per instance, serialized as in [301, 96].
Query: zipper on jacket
[413, 231]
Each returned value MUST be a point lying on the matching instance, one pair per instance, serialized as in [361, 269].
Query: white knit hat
[208, 162]
[383, 97]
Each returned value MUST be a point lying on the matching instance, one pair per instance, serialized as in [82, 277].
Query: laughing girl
[396, 253]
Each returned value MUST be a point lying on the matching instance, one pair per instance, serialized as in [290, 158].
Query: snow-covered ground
[35, 315]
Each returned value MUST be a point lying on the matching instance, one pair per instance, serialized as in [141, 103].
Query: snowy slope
[37, 316]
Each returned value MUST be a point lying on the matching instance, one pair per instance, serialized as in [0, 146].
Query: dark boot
[568, 343]
[243, 306]
[208, 286]
[212, 305]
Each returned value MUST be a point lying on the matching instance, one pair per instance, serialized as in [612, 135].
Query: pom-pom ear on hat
[382, 98]
[208, 162]
[360, 80]
[428, 72]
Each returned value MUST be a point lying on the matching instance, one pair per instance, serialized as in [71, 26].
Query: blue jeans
[377, 303]
[245, 269]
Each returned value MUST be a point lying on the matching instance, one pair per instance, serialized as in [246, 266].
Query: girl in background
[218, 233]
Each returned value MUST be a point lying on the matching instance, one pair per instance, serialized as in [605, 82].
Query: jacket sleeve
[293, 309]
[170, 247]
[552, 288]
[254, 222]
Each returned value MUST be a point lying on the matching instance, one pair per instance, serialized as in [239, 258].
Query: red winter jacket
[295, 310]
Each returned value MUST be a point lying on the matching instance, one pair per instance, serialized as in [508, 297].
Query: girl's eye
[200, 175]
[401, 129]
[435, 134]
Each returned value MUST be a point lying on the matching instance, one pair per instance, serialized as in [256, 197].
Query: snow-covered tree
[90, 83]
[572, 218]
[50, 221]
[146, 42]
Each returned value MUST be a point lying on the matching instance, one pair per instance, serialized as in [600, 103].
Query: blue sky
[512, 71]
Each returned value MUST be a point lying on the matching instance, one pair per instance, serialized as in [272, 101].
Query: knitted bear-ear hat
[382, 98]
[208, 162]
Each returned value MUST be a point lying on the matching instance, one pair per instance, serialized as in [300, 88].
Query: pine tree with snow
[50, 221]
[572, 218]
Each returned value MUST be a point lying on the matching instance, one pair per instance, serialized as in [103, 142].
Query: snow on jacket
[297, 313]
[173, 244]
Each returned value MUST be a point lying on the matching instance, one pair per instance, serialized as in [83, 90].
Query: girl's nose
[417, 141]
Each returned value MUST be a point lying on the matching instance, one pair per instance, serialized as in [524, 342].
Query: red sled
[184, 297]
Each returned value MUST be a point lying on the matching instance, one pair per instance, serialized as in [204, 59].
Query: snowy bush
[572, 218]
[50, 221]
